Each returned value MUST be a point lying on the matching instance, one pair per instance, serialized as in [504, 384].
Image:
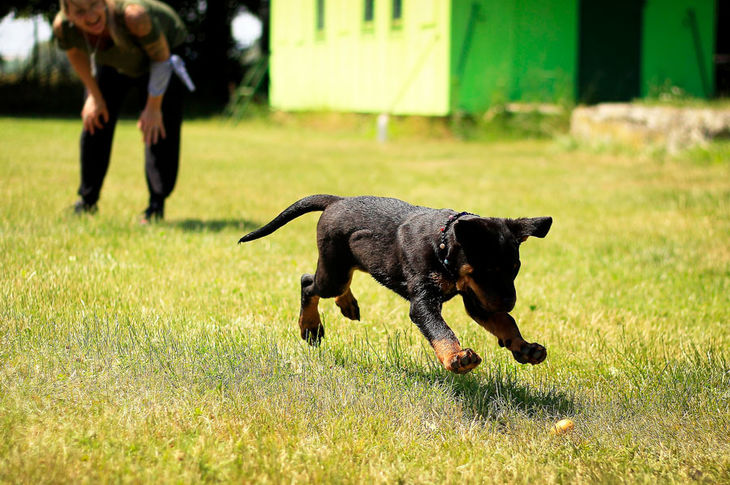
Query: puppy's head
[491, 258]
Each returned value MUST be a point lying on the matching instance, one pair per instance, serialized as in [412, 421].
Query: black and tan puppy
[427, 256]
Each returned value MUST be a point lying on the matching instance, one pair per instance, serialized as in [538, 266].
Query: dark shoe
[81, 207]
[152, 215]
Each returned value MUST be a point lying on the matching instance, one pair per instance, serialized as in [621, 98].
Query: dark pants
[161, 159]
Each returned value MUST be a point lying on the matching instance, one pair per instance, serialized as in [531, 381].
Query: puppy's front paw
[530, 353]
[463, 361]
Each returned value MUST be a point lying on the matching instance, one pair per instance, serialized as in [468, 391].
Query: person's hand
[151, 126]
[92, 114]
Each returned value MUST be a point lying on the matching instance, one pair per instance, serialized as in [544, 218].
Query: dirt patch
[649, 126]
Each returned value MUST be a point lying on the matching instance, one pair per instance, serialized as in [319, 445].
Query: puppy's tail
[308, 204]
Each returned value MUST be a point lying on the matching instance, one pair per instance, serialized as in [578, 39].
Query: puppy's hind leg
[327, 282]
[347, 302]
[310, 325]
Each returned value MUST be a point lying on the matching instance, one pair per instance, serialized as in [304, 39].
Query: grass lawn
[171, 354]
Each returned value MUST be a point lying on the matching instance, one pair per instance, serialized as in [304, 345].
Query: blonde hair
[111, 11]
[64, 8]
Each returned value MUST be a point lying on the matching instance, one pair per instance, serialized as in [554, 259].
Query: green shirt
[126, 55]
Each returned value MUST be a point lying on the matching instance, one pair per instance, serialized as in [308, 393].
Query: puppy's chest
[447, 286]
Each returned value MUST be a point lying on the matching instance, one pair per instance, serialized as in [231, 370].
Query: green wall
[670, 52]
[446, 56]
[383, 66]
[545, 55]
[512, 50]
[482, 47]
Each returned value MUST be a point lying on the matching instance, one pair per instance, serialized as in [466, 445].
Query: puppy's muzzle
[490, 303]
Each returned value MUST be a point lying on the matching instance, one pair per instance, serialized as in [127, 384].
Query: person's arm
[94, 109]
[140, 25]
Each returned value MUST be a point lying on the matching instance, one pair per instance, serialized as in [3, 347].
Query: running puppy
[427, 256]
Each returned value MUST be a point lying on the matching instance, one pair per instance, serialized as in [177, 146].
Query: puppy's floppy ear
[474, 232]
[525, 227]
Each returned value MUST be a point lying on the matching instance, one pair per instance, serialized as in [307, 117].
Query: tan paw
[530, 353]
[463, 361]
[348, 305]
[312, 335]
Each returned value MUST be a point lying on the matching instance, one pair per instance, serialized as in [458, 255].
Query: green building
[436, 57]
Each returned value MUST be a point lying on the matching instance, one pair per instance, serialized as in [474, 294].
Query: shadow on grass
[500, 391]
[492, 391]
[214, 225]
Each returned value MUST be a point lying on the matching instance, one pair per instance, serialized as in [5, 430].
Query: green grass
[170, 353]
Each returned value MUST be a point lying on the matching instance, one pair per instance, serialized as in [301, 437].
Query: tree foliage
[23, 8]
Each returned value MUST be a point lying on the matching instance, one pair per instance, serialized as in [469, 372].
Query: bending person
[115, 45]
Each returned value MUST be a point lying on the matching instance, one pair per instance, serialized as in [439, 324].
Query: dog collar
[442, 252]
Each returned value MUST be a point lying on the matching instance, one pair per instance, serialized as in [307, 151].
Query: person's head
[90, 16]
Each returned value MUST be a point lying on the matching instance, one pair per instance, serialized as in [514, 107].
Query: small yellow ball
[563, 426]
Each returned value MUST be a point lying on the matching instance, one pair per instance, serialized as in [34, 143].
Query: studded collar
[443, 247]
